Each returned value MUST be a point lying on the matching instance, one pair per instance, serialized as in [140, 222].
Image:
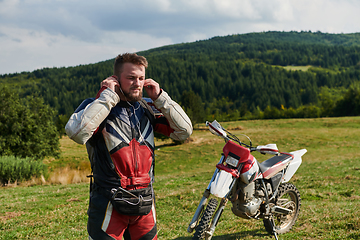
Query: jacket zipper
[134, 145]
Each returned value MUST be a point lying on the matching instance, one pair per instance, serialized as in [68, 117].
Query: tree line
[229, 78]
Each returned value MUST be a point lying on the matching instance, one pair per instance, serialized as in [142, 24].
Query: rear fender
[294, 164]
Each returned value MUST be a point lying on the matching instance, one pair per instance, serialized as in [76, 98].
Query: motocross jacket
[119, 136]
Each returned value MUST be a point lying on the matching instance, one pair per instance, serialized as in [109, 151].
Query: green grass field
[328, 181]
[297, 68]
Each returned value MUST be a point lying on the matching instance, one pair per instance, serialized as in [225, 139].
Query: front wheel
[205, 220]
[288, 196]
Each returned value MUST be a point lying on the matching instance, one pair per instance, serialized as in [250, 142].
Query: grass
[297, 68]
[72, 156]
[311, 68]
[328, 181]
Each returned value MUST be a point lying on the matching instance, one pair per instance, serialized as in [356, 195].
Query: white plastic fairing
[252, 173]
[221, 184]
[216, 128]
[294, 164]
[269, 149]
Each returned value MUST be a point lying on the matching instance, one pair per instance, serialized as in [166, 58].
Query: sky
[59, 33]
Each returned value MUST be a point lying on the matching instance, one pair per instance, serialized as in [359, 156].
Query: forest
[243, 76]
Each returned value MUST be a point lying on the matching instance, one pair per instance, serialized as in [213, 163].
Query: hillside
[237, 74]
[328, 181]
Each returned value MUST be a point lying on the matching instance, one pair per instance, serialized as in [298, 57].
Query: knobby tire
[288, 196]
[205, 220]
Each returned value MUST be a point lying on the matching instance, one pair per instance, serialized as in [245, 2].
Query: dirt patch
[189, 140]
[236, 128]
[73, 200]
[9, 215]
[200, 140]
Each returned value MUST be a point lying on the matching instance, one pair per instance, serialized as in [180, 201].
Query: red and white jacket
[120, 136]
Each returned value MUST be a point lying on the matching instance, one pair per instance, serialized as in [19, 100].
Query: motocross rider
[118, 129]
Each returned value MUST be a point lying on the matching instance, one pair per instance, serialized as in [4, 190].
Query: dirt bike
[256, 190]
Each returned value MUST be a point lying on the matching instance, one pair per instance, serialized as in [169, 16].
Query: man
[118, 129]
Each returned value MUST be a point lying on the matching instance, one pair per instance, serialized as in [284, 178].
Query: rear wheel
[288, 197]
[205, 219]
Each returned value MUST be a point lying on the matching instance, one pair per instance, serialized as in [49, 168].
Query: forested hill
[236, 75]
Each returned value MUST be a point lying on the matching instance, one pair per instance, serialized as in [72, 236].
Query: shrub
[27, 127]
[14, 169]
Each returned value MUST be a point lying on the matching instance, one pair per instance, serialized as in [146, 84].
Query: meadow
[328, 180]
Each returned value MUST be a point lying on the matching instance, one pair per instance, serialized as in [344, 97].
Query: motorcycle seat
[273, 165]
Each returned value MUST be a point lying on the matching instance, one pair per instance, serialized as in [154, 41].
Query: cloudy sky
[55, 33]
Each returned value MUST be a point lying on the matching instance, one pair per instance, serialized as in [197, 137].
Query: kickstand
[273, 227]
[275, 235]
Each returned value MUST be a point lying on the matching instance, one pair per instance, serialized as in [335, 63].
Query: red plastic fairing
[233, 172]
[248, 164]
[269, 150]
[242, 152]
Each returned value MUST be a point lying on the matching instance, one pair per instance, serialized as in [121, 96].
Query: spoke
[289, 204]
[282, 201]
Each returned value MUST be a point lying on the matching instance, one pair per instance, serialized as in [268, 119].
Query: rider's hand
[112, 83]
[152, 88]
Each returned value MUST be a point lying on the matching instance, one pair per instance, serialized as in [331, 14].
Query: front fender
[221, 184]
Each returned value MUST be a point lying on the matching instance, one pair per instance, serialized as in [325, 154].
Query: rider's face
[132, 81]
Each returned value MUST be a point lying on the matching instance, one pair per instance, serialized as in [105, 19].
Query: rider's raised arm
[178, 125]
[87, 118]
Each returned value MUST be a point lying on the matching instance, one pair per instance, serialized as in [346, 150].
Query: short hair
[130, 58]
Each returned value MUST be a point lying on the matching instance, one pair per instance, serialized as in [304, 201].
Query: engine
[246, 199]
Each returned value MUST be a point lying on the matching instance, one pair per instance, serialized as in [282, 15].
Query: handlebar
[252, 149]
[218, 130]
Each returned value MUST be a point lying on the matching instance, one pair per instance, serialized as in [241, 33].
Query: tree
[193, 106]
[349, 105]
[27, 127]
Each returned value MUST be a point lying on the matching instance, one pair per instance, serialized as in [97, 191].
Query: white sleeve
[83, 124]
[176, 117]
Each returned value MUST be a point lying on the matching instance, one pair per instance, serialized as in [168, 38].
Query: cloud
[36, 33]
[86, 20]
[48, 50]
[53, 17]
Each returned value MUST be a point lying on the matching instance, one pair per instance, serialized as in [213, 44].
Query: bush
[349, 105]
[20, 169]
[27, 127]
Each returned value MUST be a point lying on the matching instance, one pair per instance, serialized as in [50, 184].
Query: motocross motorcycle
[256, 190]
